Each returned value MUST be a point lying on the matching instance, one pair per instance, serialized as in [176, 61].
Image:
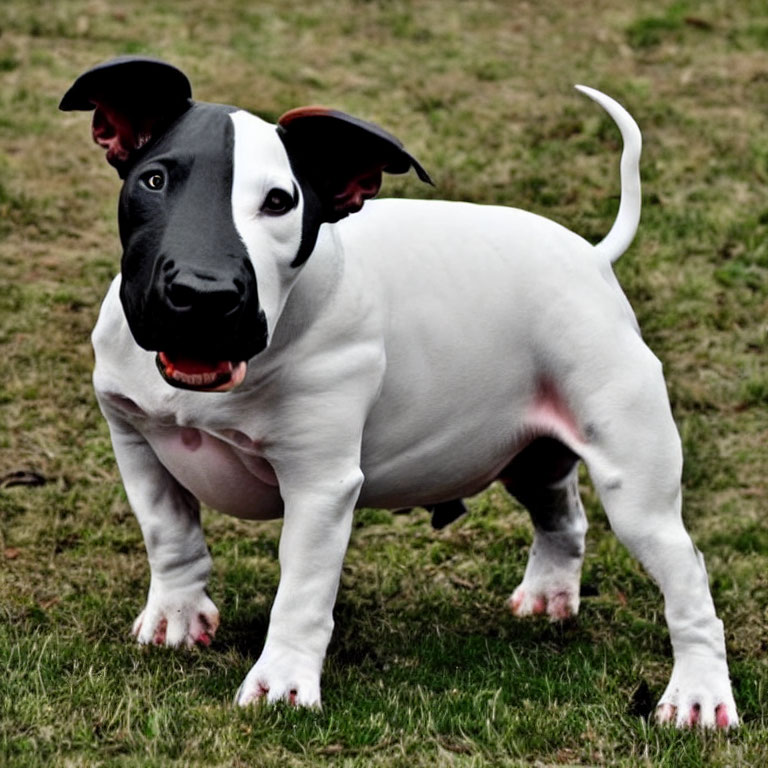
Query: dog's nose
[196, 292]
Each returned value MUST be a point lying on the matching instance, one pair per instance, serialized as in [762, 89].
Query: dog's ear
[342, 157]
[135, 99]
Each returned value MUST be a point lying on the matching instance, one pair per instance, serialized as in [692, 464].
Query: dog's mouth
[200, 375]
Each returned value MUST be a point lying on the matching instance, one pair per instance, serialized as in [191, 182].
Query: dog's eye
[153, 180]
[278, 202]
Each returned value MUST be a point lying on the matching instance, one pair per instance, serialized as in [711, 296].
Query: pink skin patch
[550, 414]
[191, 439]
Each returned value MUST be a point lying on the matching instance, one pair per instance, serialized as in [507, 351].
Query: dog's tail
[624, 228]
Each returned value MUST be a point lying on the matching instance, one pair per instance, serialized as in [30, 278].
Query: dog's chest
[220, 465]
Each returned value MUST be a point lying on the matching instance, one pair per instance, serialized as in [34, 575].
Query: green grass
[426, 668]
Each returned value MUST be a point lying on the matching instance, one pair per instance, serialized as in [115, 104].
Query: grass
[425, 668]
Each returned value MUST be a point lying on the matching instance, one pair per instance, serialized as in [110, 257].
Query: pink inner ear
[358, 189]
[119, 134]
[114, 132]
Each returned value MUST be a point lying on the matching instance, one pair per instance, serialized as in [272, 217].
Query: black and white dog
[264, 354]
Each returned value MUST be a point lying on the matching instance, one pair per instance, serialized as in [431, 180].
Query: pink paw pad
[539, 606]
[721, 716]
[667, 713]
[559, 606]
[159, 637]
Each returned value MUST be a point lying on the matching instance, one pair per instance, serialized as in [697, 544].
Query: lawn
[426, 667]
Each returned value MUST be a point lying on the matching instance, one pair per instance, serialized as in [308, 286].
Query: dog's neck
[312, 294]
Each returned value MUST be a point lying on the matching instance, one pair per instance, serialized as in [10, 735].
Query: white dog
[408, 355]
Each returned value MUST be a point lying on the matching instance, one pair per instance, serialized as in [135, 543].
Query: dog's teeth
[195, 379]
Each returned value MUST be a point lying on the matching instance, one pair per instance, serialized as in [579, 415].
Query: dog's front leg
[316, 528]
[178, 610]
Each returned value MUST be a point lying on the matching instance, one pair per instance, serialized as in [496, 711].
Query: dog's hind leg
[544, 478]
[633, 454]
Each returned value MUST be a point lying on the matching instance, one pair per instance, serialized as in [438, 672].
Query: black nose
[198, 292]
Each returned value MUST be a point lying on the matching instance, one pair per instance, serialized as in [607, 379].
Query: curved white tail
[624, 228]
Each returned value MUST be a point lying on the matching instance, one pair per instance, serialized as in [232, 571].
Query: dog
[266, 353]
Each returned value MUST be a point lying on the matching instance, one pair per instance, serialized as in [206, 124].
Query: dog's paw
[559, 602]
[282, 675]
[698, 694]
[552, 580]
[177, 618]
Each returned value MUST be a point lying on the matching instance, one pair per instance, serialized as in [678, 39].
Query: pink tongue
[191, 367]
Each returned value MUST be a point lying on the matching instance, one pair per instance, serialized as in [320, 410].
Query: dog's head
[219, 209]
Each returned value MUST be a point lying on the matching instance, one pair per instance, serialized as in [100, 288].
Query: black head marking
[188, 284]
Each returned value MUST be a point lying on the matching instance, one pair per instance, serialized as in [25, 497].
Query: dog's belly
[230, 480]
[239, 483]
[426, 443]
[417, 461]
[417, 481]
